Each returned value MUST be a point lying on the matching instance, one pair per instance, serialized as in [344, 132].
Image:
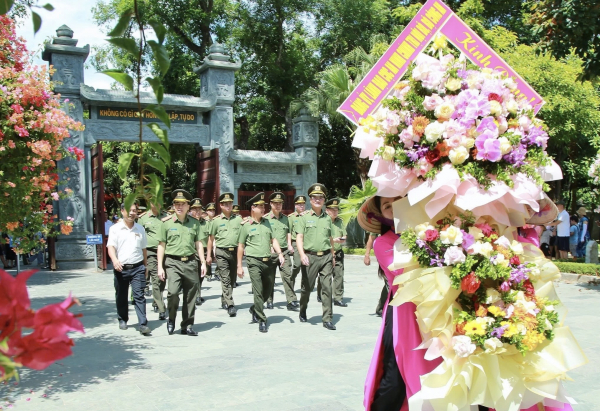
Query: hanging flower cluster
[32, 130]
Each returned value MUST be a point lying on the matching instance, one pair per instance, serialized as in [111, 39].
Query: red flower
[444, 149]
[431, 235]
[433, 155]
[14, 302]
[495, 97]
[485, 229]
[470, 283]
[515, 260]
[528, 288]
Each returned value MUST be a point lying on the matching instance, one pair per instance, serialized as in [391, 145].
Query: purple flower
[499, 331]
[437, 261]
[517, 156]
[488, 147]
[538, 137]
[421, 243]
[488, 124]
[519, 274]
[505, 286]
[468, 240]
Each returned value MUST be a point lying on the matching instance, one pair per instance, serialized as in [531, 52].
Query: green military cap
[180, 196]
[256, 200]
[226, 197]
[171, 210]
[317, 188]
[277, 197]
[236, 208]
[333, 203]
[300, 200]
[210, 206]
[196, 202]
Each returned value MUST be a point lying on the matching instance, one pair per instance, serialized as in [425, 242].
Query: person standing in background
[584, 231]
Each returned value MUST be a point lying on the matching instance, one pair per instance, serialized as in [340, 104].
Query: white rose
[517, 248]
[458, 155]
[453, 84]
[434, 131]
[492, 295]
[479, 247]
[510, 83]
[388, 153]
[468, 142]
[452, 235]
[512, 106]
[444, 111]
[503, 242]
[492, 345]
[463, 346]
[501, 260]
[505, 146]
[495, 108]
[454, 255]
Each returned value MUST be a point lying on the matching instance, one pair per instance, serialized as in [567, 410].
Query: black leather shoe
[189, 331]
[292, 307]
[232, 311]
[254, 317]
[340, 303]
[155, 308]
[319, 299]
[122, 325]
[329, 325]
[170, 327]
[302, 317]
[198, 301]
[224, 306]
[162, 316]
[269, 305]
[202, 300]
[295, 304]
[262, 327]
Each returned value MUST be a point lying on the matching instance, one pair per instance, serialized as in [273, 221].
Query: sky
[77, 14]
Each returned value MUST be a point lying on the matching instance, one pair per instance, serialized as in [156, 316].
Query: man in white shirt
[563, 224]
[127, 250]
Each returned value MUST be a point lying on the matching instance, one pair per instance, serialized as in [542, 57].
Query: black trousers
[137, 278]
[392, 390]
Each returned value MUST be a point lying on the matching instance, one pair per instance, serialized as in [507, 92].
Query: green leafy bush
[578, 268]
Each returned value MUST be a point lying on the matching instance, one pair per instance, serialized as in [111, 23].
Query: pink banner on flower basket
[482, 55]
[434, 17]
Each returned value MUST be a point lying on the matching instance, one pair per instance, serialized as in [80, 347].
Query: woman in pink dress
[396, 367]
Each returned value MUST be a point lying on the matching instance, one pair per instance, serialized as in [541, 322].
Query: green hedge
[578, 268]
[356, 251]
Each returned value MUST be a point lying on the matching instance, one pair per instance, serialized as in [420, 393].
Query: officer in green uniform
[299, 203]
[257, 238]
[180, 240]
[208, 215]
[314, 231]
[224, 234]
[235, 209]
[196, 212]
[281, 231]
[151, 221]
[339, 238]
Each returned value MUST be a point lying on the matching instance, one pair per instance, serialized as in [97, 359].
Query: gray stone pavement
[230, 365]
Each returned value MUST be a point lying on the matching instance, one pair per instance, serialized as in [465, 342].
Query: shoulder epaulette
[305, 212]
[245, 220]
[143, 214]
[217, 217]
[165, 218]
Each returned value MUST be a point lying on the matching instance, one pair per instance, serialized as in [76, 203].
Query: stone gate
[206, 121]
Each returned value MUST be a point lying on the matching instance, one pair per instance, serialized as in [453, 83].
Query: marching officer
[196, 212]
[299, 203]
[208, 214]
[280, 225]
[151, 221]
[224, 235]
[315, 244]
[339, 238]
[257, 238]
[235, 209]
[180, 240]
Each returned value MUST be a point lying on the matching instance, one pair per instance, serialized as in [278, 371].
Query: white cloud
[78, 16]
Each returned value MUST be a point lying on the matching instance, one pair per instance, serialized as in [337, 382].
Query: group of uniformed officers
[178, 251]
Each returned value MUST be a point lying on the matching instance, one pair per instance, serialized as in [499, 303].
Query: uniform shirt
[180, 238]
[293, 218]
[317, 229]
[338, 231]
[256, 237]
[205, 229]
[128, 243]
[226, 230]
[152, 225]
[280, 227]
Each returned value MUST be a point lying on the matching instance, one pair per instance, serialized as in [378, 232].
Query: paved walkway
[230, 365]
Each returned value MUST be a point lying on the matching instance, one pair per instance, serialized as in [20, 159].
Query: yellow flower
[474, 328]
[439, 42]
[511, 330]
[496, 311]
[532, 339]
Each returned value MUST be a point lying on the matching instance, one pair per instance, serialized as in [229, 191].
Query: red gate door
[98, 202]
[207, 172]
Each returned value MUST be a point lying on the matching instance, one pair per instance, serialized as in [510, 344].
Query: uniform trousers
[338, 278]
[227, 270]
[297, 265]
[200, 278]
[285, 273]
[262, 276]
[320, 266]
[182, 276]
[137, 278]
[158, 286]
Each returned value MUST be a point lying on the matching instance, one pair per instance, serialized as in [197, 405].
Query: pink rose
[431, 102]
